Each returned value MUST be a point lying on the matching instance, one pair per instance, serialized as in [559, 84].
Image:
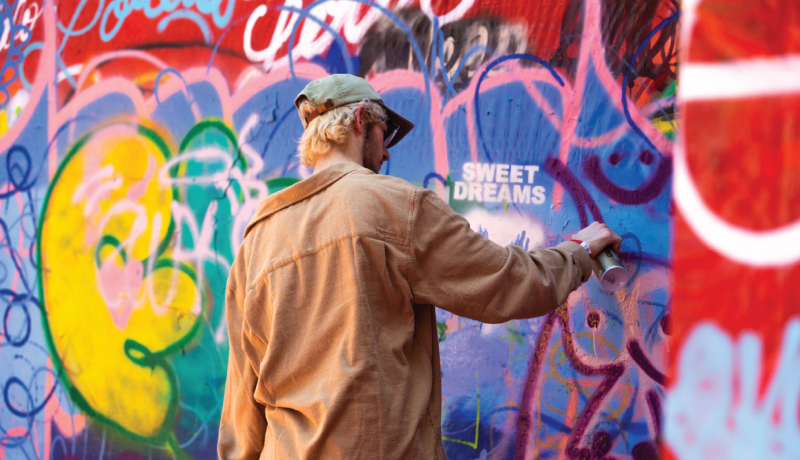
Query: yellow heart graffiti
[116, 302]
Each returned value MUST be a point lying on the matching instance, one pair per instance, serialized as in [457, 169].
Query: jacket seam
[390, 236]
[411, 216]
[410, 245]
[303, 255]
[436, 436]
[428, 352]
[290, 202]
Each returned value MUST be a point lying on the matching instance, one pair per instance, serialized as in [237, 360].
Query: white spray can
[610, 271]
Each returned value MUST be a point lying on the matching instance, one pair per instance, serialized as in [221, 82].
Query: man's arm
[243, 425]
[458, 270]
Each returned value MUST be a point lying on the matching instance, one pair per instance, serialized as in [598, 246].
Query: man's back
[334, 352]
[333, 344]
[344, 361]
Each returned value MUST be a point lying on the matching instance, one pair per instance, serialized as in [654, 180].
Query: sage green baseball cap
[339, 89]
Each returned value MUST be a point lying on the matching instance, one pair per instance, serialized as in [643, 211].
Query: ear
[359, 124]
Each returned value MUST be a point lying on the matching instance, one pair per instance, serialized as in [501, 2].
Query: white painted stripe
[771, 248]
[739, 79]
[72, 70]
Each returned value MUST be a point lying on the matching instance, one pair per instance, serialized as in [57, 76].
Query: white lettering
[30, 15]
[469, 172]
[538, 195]
[502, 173]
[486, 182]
[283, 29]
[516, 174]
[453, 15]
[345, 19]
[460, 191]
[522, 194]
[531, 170]
[475, 192]
[504, 194]
[489, 191]
[486, 172]
[5, 41]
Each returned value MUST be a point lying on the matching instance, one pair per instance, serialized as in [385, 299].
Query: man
[334, 352]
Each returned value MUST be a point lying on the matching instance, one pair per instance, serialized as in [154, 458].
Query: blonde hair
[329, 130]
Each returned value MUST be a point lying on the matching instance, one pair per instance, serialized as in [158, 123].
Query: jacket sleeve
[243, 425]
[460, 271]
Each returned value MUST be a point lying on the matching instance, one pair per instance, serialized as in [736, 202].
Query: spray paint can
[610, 271]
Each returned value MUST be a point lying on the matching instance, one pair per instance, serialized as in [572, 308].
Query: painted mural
[735, 358]
[138, 138]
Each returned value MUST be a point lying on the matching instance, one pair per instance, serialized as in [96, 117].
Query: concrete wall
[138, 137]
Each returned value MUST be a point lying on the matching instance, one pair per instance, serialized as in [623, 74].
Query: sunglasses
[388, 135]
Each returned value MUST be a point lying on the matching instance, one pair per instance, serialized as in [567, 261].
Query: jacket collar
[301, 190]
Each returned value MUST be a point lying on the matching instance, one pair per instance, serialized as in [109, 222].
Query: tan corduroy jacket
[334, 352]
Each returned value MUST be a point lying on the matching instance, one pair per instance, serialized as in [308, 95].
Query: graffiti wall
[735, 357]
[139, 136]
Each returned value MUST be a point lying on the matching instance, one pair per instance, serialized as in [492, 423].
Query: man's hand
[598, 236]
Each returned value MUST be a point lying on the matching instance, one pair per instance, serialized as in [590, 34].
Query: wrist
[584, 245]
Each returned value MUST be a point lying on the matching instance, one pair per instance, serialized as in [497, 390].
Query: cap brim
[405, 125]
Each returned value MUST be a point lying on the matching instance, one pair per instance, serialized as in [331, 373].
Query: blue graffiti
[627, 77]
[192, 16]
[121, 9]
[18, 36]
[486, 71]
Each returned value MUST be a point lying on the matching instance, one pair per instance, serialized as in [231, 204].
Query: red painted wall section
[139, 136]
[735, 353]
